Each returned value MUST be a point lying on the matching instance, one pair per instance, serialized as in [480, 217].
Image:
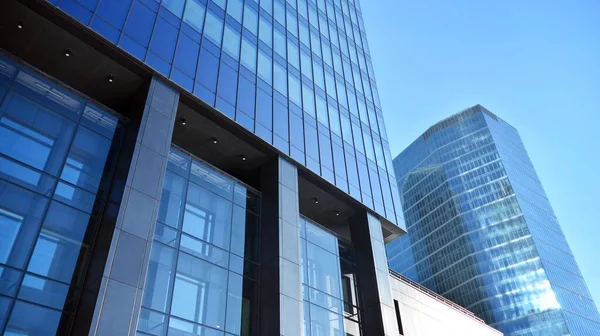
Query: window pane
[204, 251]
[152, 322]
[324, 322]
[43, 291]
[213, 29]
[212, 180]
[174, 6]
[250, 19]
[200, 291]
[207, 217]
[235, 8]
[33, 135]
[234, 304]
[231, 43]
[160, 278]
[265, 67]
[28, 319]
[60, 243]
[266, 32]
[194, 14]
[249, 55]
[295, 90]
[179, 327]
[280, 78]
[86, 160]
[323, 270]
[171, 201]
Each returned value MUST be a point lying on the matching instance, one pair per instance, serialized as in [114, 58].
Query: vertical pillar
[373, 276]
[120, 295]
[281, 283]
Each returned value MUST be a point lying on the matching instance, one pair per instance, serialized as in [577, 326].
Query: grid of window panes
[477, 237]
[54, 148]
[203, 276]
[297, 73]
[329, 287]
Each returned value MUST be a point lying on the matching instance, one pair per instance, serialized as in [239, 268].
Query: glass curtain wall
[54, 165]
[329, 287]
[203, 272]
[297, 73]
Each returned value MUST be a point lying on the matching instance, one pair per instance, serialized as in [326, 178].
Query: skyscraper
[482, 233]
[159, 161]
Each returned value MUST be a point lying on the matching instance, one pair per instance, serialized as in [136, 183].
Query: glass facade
[296, 73]
[329, 288]
[203, 273]
[481, 230]
[55, 150]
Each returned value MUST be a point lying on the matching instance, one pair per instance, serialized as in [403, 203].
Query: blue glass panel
[227, 83]
[264, 109]
[246, 96]
[164, 38]
[200, 291]
[43, 291]
[208, 68]
[174, 6]
[207, 217]
[57, 249]
[114, 11]
[186, 55]
[105, 29]
[76, 10]
[159, 283]
[85, 161]
[30, 319]
[140, 22]
[194, 14]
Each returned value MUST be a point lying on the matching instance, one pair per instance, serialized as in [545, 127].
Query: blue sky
[534, 63]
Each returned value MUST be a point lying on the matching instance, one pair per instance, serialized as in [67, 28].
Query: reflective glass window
[174, 6]
[194, 14]
[53, 160]
[249, 54]
[235, 9]
[231, 42]
[195, 281]
[213, 28]
[265, 31]
[200, 291]
[251, 19]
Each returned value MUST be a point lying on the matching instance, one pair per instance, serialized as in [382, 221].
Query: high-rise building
[160, 160]
[482, 233]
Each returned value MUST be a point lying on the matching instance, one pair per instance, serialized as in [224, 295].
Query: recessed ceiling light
[337, 213]
[243, 158]
[214, 140]
[316, 200]
[67, 52]
[20, 25]
[111, 78]
[183, 121]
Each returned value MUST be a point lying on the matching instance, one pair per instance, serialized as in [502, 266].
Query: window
[249, 54]
[195, 279]
[213, 29]
[194, 14]
[174, 6]
[235, 9]
[53, 158]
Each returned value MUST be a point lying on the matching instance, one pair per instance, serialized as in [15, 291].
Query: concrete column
[119, 299]
[281, 277]
[379, 316]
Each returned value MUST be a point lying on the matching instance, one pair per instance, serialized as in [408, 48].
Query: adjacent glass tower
[481, 230]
